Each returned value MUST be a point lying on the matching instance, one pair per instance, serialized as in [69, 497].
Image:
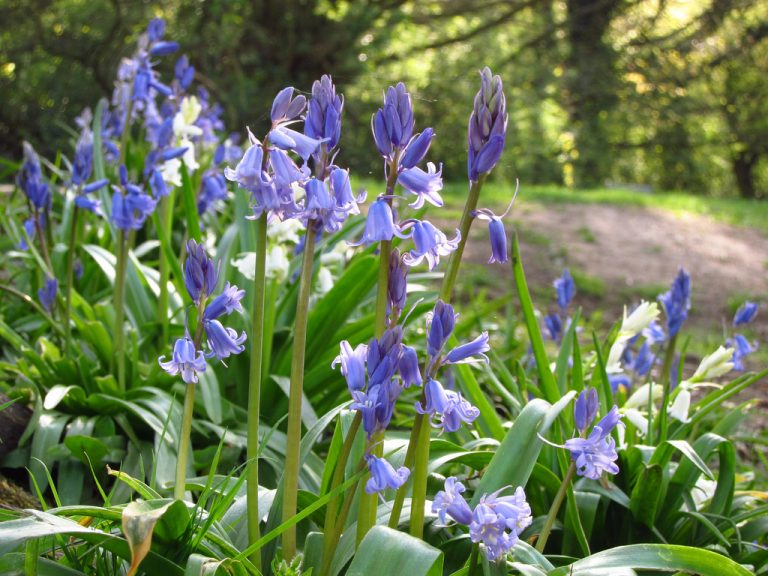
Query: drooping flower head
[131, 206]
[677, 301]
[741, 349]
[745, 314]
[429, 242]
[185, 361]
[565, 288]
[496, 230]
[440, 323]
[222, 341]
[446, 408]
[285, 107]
[352, 364]
[30, 180]
[379, 224]
[487, 126]
[225, 303]
[397, 285]
[596, 453]
[384, 475]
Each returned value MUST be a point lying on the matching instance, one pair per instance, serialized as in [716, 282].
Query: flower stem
[669, 357]
[382, 287]
[119, 304]
[166, 221]
[473, 560]
[292, 464]
[368, 505]
[254, 388]
[452, 271]
[70, 279]
[555, 508]
[184, 442]
[410, 454]
[420, 465]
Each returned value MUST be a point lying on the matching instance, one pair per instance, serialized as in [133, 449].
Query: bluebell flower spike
[745, 314]
[185, 360]
[677, 301]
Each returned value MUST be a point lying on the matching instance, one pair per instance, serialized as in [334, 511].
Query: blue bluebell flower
[469, 351]
[155, 29]
[29, 232]
[201, 274]
[440, 323]
[554, 327]
[379, 224]
[393, 125]
[417, 149]
[225, 303]
[644, 360]
[565, 288]
[408, 367]
[745, 314]
[425, 185]
[585, 409]
[82, 164]
[184, 73]
[619, 381]
[596, 453]
[285, 107]
[186, 360]
[429, 243]
[131, 206]
[497, 522]
[397, 285]
[446, 408]
[451, 502]
[352, 364]
[498, 235]
[376, 405]
[222, 341]
[384, 355]
[30, 180]
[741, 349]
[654, 333]
[213, 188]
[287, 139]
[323, 121]
[487, 126]
[384, 475]
[47, 294]
[677, 301]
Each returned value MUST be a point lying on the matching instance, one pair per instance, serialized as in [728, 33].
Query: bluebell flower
[440, 323]
[352, 364]
[29, 230]
[417, 148]
[285, 107]
[323, 121]
[565, 288]
[184, 73]
[677, 301]
[379, 224]
[201, 274]
[446, 408]
[164, 49]
[451, 502]
[383, 355]
[745, 314]
[487, 126]
[425, 185]
[30, 180]
[82, 164]
[383, 475]
[155, 29]
[741, 349]
[397, 285]
[132, 207]
[554, 327]
[618, 381]
[408, 367]
[287, 139]
[498, 235]
[596, 453]
[497, 522]
[429, 243]
[376, 405]
[346, 201]
[222, 341]
[644, 360]
[654, 333]
[225, 303]
[47, 294]
[185, 361]
[468, 352]
[393, 125]
[213, 188]
[585, 409]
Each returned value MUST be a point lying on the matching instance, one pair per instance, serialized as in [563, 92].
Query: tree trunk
[744, 164]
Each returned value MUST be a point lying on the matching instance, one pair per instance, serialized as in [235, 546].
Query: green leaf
[661, 557]
[139, 520]
[647, 494]
[190, 204]
[385, 551]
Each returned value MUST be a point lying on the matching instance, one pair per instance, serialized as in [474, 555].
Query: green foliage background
[668, 95]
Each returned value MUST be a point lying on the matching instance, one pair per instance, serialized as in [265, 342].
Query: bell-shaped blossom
[47, 294]
[380, 224]
[681, 405]
[644, 360]
[425, 185]
[186, 360]
[352, 364]
[677, 301]
[392, 125]
[440, 323]
[384, 475]
[446, 408]
[585, 409]
[201, 273]
[130, 210]
[222, 341]
[565, 288]
[596, 453]
[451, 502]
[417, 149]
[741, 349]
[745, 314]
[82, 164]
[554, 327]
[184, 73]
[487, 126]
[285, 107]
[496, 232]
[429, 243]
[376, 405]
[619, 382]
[213, 188]
[408, 367]
[631, 325]
[714, 365]
[469, 352]
[30, 180]
[287, 139]
[29, 233]
[323, 121]
[225, 303]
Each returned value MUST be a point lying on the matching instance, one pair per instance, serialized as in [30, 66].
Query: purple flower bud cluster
[557, 322]
[596, 453]
[487, 126]
[742, 347]
[30, 182]
[677, 301]
[131, 206]
[201, 275]
[47, 294]
[82, 167]
[496, 522]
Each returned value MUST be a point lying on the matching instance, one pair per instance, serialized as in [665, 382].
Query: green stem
[419, 492]
[292, 464]
[669, 357]
[555, 508]
[410, 455]
[473, 560]
[119, 334]
[368, 504]
[452, 271]
[43, 242]
[382, 287]
[254, 388]
[184, 442]
[166, 220]
[70, 279]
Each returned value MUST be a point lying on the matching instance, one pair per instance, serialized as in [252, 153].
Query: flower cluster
[30, 182]
[487, 126]
[677, 301]
[496, 522]
[557, 322]
[595, 453]
[742, 347]
[201, 275]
